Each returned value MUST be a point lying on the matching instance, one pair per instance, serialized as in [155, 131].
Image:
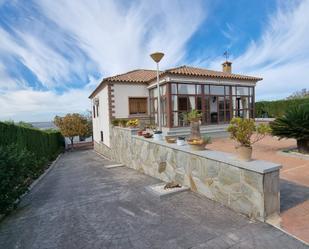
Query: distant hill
[44, 125]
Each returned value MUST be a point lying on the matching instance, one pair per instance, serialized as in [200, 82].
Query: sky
[54, 53]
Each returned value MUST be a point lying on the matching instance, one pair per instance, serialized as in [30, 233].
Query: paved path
[81, 204]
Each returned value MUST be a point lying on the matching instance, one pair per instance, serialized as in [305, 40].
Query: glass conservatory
[217, 103]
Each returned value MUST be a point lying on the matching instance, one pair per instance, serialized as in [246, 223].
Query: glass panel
[155, 105]
[221, 116]
[182, 104]
[181, 120]
[251, 90]
[155, 92]
[186, 89]
[216, 90]
[246, 113]
[175, 119]
[163, 90]
[221, 103]
[214, 109]
[174, 103]
[198, 89]
[163, 104]
[227, 115]
[244, 103]
[227, 90]
[207, 106]
[206, 89]
[242, 90]
[233, 90]
[227, 104]
[199, 103]
[174, 88]
[191, 103]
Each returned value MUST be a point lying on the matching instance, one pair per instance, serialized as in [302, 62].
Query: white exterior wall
[102, 122]
[122, 93]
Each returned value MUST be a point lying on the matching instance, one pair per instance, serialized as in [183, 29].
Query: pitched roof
[138, 76]
[144, 76]
[194, 71]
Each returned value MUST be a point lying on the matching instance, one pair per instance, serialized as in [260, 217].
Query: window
[97, 110]
[137, 106]
[102, 137]
[242, 101]
[93, 111]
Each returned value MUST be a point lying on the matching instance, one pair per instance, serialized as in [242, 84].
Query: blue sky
[54, 53]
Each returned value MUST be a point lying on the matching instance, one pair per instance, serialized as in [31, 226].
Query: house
[219, 95]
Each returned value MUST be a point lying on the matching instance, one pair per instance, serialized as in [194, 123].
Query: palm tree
[294, 124]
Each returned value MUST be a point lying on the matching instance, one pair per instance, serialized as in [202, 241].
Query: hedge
[274, 109]
[24, 154]
[42, 143]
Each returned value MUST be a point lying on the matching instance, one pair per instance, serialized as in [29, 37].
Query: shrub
[294, 124]
[123, 122]
[24, 152]
[42, 143]
[133, 123]
[17, 169]
[115, 122]
[242, 131]
[275, 109]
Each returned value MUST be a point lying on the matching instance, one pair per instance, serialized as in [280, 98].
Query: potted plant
[170, 139]
[180, 141]
[157, 135]
[199, 143]
[294, 124]
[147, 135]
[245, 132]
[123, 122]
[194, 118]
[115, 122]
[133, 123]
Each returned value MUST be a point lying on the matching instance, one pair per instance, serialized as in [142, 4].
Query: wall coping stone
[126, 128]
[258, 166]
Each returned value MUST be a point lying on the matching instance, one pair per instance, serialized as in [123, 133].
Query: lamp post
[157, 56]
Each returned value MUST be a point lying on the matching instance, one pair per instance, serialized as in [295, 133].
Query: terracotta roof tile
[193, 71]
[144, 76]
[137, 76]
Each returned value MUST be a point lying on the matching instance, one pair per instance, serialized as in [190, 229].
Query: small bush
[243, 131]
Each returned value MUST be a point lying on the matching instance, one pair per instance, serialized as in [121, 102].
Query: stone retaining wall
[251, 188]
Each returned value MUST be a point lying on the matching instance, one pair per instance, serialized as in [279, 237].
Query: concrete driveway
[82, 204]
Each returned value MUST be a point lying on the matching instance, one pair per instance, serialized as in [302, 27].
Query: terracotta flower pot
[244, 153]
[197, 144]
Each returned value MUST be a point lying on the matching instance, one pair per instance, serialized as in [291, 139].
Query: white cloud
[31, 105]
[281, 56]
[120, 38]
[61, 42]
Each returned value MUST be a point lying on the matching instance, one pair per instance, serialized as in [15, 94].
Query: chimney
[227, 67]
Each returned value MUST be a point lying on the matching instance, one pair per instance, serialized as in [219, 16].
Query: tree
[294, 124]
[303, 93]
[72, 125]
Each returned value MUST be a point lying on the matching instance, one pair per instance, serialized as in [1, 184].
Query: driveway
[82, 204]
